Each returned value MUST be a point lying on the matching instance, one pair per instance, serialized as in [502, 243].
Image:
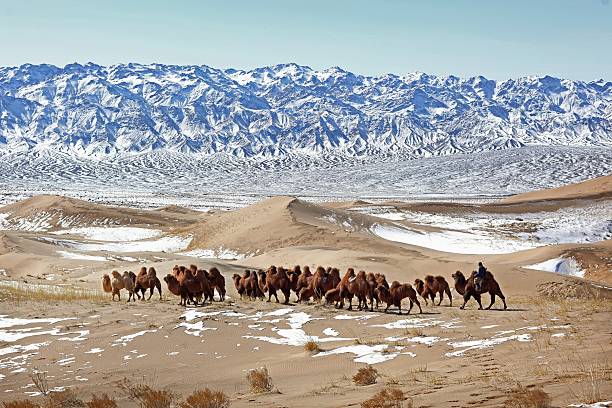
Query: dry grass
[104, 401]
[366, 376]
[593, 378]
[18, 293]
[206, 398]
[19, 404]
[259, 380]
[521, 397]
[388, 398]
[63, 399]
[312, 347]
[146, 395]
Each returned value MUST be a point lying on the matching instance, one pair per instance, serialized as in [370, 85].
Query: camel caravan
[195, 286]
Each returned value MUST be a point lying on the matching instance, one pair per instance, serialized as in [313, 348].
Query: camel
[106, 284]
[372, 285]
[252, 286]
[396, 293]
[277, 280]
[261, 280]
[117, 284]
[431, 286]
[318, 282]
[303, 281]
[343, 287]
[147, 280]
[217, 282]
[356, 286]
[176, 288]
[333, 296]
[238, 284]
[294, 277]
[129, 285]
[467, 288]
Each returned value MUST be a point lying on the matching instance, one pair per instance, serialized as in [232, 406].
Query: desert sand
[555, 333]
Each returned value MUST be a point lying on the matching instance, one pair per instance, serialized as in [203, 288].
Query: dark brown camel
[147, 280]
[467, 288]
[431, 286]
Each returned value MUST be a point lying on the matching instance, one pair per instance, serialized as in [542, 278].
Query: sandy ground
[555, 334]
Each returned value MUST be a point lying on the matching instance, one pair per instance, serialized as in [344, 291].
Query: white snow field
[564, 266]
[452, 241]
[156, 179]
[110, 234]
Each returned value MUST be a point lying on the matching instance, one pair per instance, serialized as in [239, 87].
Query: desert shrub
[20, 404]
[206, 398]
[259, 380]
[63, 399]
[521, 397]
[388, 398]
[39, 378]
[312, 347]
[365, 376]
[145, 395]
[101, 402]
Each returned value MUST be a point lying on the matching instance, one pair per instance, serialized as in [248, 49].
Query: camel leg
[150, 292]
[466, 297]
[503, 298]
[492, 301]
[350, 304]
[287, 294]
[387, 308]
[276, 296]
[441, 298]
[432, 296]
[158, 285]
[450, 297]
[419, 305]
[477, 297]
[269, 295]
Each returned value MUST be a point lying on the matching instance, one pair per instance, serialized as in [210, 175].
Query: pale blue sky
[497, 38]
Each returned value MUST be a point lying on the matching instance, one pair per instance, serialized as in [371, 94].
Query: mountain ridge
[289, 109]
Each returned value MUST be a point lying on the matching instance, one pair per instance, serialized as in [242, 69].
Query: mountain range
[92, 111]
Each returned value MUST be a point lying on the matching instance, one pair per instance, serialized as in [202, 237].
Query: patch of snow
[353, 317]
[564, 266]
[95, 350]
[485, 343]
[220, 253]
[364, 353]
[84, 257]
[123, 340]
[112, 234]
[330, 332]
[195, 329]
[452, 241]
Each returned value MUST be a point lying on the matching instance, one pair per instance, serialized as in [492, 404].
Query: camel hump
[429, 278]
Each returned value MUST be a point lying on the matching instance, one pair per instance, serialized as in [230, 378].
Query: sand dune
[446, 357]
[600, 187]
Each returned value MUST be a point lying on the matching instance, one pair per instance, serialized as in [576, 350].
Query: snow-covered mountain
[288, 110]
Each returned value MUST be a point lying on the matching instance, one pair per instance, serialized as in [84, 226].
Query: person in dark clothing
[480, 274]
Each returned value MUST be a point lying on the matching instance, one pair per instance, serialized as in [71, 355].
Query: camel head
[419, 285]
[458, 276]
[170, 279]
[116, 274]
[246, 274]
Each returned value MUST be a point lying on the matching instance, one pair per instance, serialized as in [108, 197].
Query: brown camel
[147, 280]
[431, 286]
[467, 288]
[117, 284]
[106, 284]
[396, 293]
[175, 287]
[304, 280]
[319, 282]
[129, 285]
[359, 287]
[277, 280]
[333, 296]
[238, 284]
[217, 282]
[343, 287]
[252, 288]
